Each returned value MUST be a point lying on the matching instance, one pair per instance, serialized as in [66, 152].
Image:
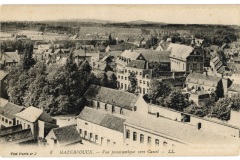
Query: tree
[176, 100]
[221, 109]
[113, 81]
[104, 80]
[28, 60]
[133, 83]
[158, 91]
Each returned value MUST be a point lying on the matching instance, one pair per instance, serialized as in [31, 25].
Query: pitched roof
[111, 96]
[130, 54]
[234, 87]
[179, 51]
[67, 134]
[199, 78]
[177, 130]
[3, 74]
[156, 56]
[102, 118]
[10, 129]
[10, 57]
[10, 110]
[30, 114]
[113, 122]
[17, 137]
[3, 102]
[136, 64]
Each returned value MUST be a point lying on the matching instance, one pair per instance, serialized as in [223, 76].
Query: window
[140, 81]
[121, 111]
[121, 85]
[125, 70]
[148, 84]
[143, 82]
[90, 135]
[136, 72]
[190, 66]
[157, 142]
[108, 142]
[2, 119]
[85, 134]
[80, 131]
[98, 105]
[149, 140]
[118, 77]
[10, 122]
[113, 109]
[129, 71]
[86, 123]
[164, 144]
[28, 126]
[121, 77]
[125, 86]
[198, 67]
[134, 136]
[127, 134]
[141, 138]
[140, 73]
[143, 90]
[106, 107]
[96, 137]
[125, 78]
[6, 121]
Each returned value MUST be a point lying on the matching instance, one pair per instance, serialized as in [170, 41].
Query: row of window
[19, 122]
[106, 107]
[6, 120]
[149, 139]
[85, 135]
[141, 90]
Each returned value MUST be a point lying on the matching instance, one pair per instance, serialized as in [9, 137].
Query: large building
[110, 100]
[186, 58]
[100, 127]
[133, 63]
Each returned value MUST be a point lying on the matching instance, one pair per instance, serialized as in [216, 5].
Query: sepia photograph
[119, 80]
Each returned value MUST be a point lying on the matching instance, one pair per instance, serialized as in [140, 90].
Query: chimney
[173, 74]
[147, 65]
[205, 73]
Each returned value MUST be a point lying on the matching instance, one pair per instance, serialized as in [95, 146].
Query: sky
[183, 14]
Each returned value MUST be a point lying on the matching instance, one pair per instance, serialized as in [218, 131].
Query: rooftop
[179, 51]
[17, 137]
[10, 110]
[102, 118]
[111, 96]
[177, 130]
[137, 64]
[130, 54]
[3, 75]
[156, 56]
[67, 134]
[199, 78]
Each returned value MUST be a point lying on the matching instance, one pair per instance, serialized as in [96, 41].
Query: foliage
[221, 109]
[27, 59]
[176, 100]
[132, 88]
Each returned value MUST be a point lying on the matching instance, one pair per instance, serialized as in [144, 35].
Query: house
[63, 136]
[131, 62]
[162, 46]
[7, 114]
[15, 136]
[3, 84]
[33, 118]
[100, 127]
[234, 89]
[186, 58]
[110, 100]
[168, 134]
[198, 82]
[143, 74]
[199, 97]
[9, 58]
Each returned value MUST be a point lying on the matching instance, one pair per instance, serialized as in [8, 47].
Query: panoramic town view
[103, 83]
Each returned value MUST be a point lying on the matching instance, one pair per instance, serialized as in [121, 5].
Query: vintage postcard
[119, 80]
